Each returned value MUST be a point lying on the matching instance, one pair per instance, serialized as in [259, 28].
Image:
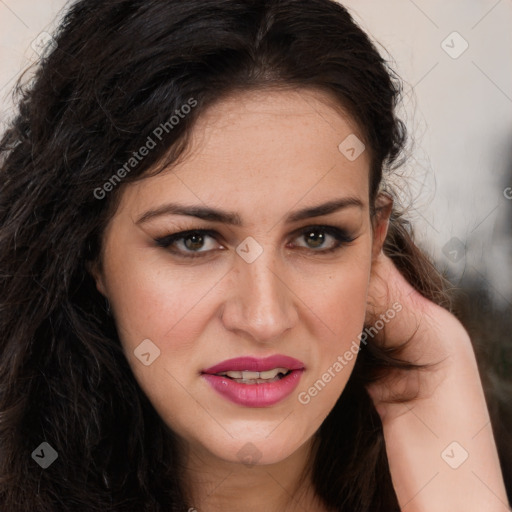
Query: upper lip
[254, 364]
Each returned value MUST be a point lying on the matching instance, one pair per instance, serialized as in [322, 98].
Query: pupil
[317, 240]
[194, 242]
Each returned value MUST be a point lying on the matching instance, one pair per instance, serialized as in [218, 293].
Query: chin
[255, 450]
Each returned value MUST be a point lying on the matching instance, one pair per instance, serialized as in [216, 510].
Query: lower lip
[254, 395]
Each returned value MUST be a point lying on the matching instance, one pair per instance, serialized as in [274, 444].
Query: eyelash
[341, 236]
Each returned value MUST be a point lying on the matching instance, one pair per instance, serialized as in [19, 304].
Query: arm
[440, 446]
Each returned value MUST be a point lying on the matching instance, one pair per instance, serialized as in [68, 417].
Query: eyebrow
[232, 218]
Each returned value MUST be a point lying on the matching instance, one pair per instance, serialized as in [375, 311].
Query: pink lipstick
[255, 382]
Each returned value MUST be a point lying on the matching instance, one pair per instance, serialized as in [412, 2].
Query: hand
[446, 405]
[418, 332]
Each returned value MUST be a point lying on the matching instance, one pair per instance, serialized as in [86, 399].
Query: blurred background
[455, 59]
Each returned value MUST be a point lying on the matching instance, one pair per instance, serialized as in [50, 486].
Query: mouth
[254, 382]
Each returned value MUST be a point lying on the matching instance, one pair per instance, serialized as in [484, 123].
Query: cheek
[343, 301]
[341, 308]
[168, 305]
[339, 298]
[157, 301]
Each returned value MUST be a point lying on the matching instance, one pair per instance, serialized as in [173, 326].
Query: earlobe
[383, 210]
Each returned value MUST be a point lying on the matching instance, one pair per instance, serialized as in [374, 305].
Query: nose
[262, 304]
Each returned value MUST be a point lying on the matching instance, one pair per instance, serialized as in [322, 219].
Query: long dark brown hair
[119, 70]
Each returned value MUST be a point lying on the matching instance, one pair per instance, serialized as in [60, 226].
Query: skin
[429, 472]
[262, 155]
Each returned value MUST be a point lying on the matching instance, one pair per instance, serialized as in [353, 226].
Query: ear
[380, 222]
[94, 268]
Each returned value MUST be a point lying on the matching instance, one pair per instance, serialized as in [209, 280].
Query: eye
[323, 239]
[189, 243]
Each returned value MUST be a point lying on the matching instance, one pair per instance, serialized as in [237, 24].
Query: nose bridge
[264, 305]
[263, 280]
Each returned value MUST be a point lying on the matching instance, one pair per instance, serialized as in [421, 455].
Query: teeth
[247, 375]
[234, 375]
[270, 374]
[256, 381]
[254, 377]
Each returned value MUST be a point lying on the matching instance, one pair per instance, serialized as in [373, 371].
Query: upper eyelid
[180, 235]
[213, 232]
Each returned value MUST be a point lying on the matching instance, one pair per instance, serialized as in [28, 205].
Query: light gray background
[458, 111]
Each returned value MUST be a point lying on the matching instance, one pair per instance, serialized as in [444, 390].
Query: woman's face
[276, 283]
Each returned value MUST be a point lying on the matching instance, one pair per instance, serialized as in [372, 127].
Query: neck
[213, 485]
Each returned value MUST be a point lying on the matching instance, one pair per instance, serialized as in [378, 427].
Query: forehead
[259, 147]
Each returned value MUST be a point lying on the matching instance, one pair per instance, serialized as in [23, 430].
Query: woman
[209, 300]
